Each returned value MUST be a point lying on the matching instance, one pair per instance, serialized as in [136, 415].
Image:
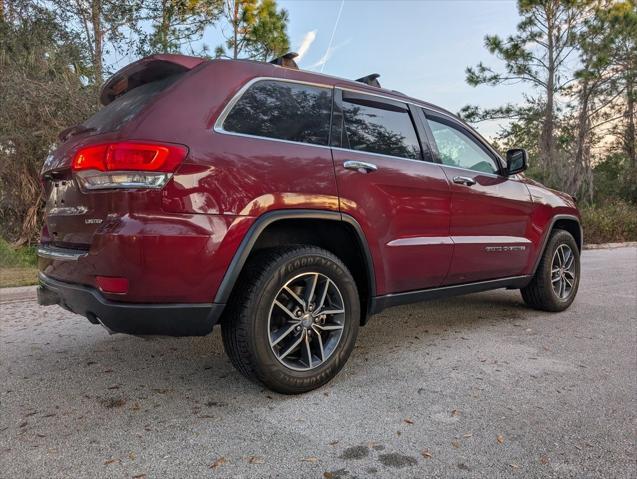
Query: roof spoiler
[146, 70]
[286, 60]
[371, 80]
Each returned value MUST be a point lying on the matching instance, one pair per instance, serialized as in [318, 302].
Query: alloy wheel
[306, 321]
[563, 273]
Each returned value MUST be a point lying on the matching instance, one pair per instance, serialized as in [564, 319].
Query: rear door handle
[464, 180]
[360, 166]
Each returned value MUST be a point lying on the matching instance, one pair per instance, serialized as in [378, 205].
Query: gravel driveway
[477, 386]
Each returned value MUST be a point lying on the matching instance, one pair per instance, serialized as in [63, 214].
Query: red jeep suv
[289, 207]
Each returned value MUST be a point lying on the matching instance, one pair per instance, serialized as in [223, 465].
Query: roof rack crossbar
[371, 80]
[286, 60]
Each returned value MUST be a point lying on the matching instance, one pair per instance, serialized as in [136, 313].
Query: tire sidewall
[267, 367]
[558, 239]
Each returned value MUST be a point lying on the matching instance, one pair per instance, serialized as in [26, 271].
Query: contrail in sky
[329, 46]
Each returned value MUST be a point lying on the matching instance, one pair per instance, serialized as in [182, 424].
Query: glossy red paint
[404, 211]
[493, 212]
[175, 244]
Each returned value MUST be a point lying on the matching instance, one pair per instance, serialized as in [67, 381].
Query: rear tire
[556, 280]
[293, 319]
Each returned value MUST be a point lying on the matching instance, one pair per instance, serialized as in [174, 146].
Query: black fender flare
[262, 222]
[547, 235]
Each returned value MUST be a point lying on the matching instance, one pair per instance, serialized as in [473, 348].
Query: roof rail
[286, 60]
[371, 80]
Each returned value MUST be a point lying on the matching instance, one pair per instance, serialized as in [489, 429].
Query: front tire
[556, 280]
[293, 319]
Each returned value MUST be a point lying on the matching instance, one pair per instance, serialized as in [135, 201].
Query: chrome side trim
[422, 241]
[60, 254]
[67, 211]
[490, 240]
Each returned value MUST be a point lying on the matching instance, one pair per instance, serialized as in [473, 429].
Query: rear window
[283, 110]
[124, 108]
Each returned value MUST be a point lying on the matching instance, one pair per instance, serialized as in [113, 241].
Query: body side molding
[387, 301]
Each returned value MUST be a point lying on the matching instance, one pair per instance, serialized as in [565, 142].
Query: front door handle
[464, 180]
[360, 166]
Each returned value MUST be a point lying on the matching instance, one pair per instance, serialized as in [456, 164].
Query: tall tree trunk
[629, 134]
[235, 26]
[96, 21]
[548, 125]
[164, 26]
[578, 178]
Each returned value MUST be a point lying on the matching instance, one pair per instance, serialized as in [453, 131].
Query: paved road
[477, 386]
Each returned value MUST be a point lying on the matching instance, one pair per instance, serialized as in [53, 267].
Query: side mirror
[517, 161]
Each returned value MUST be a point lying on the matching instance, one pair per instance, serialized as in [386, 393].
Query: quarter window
[388, 131]
[456, 148]
[282, 110]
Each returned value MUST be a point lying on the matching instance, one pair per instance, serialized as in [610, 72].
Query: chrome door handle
[464, 180]
[360, 166]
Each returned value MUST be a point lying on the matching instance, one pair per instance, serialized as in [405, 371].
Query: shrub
[610, 222]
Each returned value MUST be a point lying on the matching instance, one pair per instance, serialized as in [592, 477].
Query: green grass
[18, 266]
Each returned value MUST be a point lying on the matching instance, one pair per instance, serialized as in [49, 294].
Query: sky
[419, 47]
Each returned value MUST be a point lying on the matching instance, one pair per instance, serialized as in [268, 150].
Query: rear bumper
[178, 319]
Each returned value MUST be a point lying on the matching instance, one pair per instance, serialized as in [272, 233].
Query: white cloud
[308, 39]
[328, 54]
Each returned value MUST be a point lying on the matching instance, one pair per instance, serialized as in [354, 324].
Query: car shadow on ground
[118, 370]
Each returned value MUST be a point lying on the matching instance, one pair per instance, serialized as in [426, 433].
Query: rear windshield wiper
[74, 130]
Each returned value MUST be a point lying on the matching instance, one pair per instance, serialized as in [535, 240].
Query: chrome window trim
[218, 125]
[382, 155]
[483, 173]
[256, 137]
[398, 99]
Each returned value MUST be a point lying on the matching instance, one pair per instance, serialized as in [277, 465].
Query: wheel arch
[570, 223]
[336, 232]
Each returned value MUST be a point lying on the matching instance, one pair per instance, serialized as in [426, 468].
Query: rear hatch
[73, 211]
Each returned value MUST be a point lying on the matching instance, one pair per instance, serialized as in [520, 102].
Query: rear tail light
[127, 164]
[112, 284]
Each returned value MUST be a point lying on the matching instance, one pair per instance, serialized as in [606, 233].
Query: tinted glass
[286, 111]
[378, 130]
[459, 149]
[124, 108]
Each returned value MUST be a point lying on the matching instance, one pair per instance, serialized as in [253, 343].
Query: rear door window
[377, 127]
[124, 108]
[284, 111]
